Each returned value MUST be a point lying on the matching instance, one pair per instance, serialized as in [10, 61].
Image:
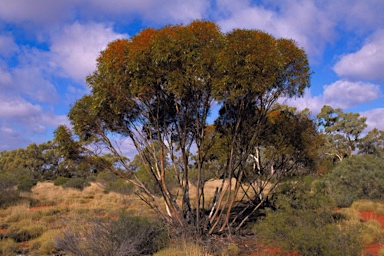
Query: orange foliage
[142, 41]
[273, 115]
[115, 53]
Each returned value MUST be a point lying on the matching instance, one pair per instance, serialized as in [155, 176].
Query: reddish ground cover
[372, 249]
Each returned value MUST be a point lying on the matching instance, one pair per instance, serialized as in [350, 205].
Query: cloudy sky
[47, 48]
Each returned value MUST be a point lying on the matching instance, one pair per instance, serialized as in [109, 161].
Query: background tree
[341, 130]
[159, 87]
[373, 143]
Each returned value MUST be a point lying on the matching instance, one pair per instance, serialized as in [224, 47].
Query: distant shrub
[304, 222]
[76, 183]
[112, 183]
[8, 193]
[26, 183]
[126, 235]
[358, 177]
[59, 181]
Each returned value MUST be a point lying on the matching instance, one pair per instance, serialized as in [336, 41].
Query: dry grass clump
[18, 212]
[364, 206]
[44, 245]
[8, 247]
[25, 230]
[372, 232]
[379, 209]
[182, 248]
[351, 215]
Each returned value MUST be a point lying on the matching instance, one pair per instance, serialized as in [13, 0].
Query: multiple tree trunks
[157, 90]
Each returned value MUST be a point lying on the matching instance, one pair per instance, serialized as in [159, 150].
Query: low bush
[304, 222]
[112, 183]
[59, 181]
[8, 193]
[26, 183]
[126, 235]
[76, 183]
[357, 177]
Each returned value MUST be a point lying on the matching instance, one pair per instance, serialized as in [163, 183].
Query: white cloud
[344, 94]
[302, 21]
[10, 139]
[37, 11]
[375, 118]
[155, 11]
[7, 45]
[5, 76]
[340, 94]
[31, 82]
[17, 109]
[74, 50]
[365, 64]
[22, 122]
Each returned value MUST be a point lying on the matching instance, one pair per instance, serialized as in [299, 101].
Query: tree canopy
[157, 90]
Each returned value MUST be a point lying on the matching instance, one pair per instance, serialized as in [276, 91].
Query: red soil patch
[3, 231]
[372, 249]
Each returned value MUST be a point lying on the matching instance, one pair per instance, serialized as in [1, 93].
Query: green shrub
[76, 183]
[59, 181]
[8, 193]
[113, 183]
[126, 235]
[304, 222]
[357, 177]
[26, 183]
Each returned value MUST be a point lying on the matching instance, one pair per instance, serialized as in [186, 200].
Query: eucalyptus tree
[342, 131]
[372, 143]
[157, 89]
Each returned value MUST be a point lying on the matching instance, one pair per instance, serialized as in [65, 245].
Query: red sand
[372, 249]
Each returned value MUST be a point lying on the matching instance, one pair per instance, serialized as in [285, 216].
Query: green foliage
[126, 235]
[26, 183]
[373, 143]
[304, 222]
[157, 89]
[8, 192]
[77, 183]
[112, 182]
[359, 177]
[342, 131]
[59, 181]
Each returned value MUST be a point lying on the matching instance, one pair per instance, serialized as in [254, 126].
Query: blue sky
[48, 47]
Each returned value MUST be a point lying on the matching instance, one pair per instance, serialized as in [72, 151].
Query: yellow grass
[183, 248]
[48, 209]
[364, 206]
